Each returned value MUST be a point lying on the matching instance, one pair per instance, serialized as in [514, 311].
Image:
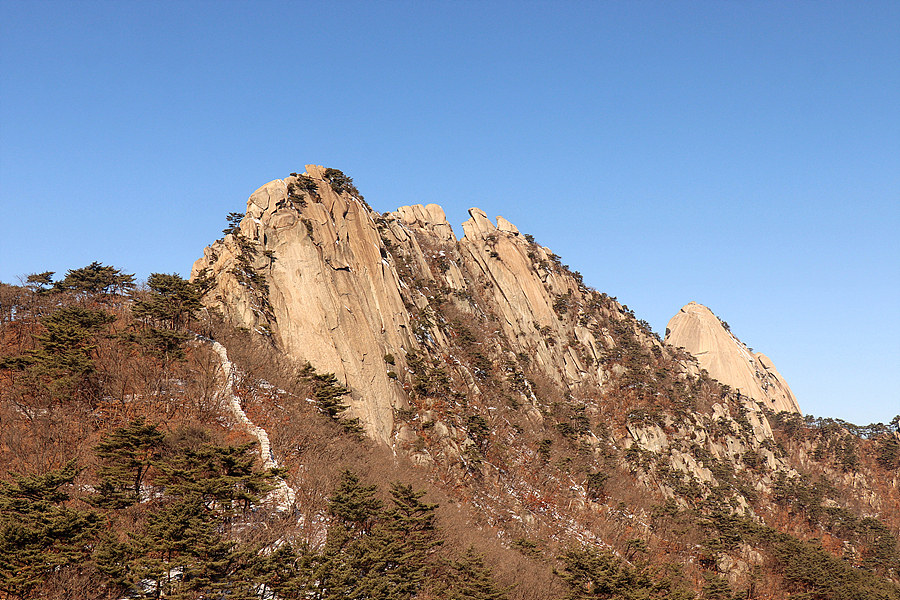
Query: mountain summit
[696, 329]
[363, 295]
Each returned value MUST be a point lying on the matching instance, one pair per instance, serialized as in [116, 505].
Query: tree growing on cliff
[329, 395]
[234, 223]
[302, 185]
[340, 183]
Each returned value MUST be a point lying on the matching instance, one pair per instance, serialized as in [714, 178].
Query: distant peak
[699, 331]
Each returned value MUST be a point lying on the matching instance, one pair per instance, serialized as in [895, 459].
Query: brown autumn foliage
[518, 492]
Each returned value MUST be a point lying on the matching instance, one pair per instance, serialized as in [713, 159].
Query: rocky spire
[696, 329]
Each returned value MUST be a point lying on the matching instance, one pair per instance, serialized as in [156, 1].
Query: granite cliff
[341, 286]
[420, 326]
[696, 329]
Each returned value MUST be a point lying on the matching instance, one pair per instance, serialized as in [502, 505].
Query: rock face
[343, 287]
[364, 295]
[326, 294]
[696, 329]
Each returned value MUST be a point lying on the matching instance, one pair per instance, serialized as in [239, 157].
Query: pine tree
[181, 550]
[716, 588]
[392, 558]
[127, 454]
[339, 182]
[165, 344]
[66, 345]
[234, 223]
[39, 534]
[63, 364]
[410, 526]
[40, 282]
[594, 574]
[95, 278]
[284, 571]
[470, 579]
[353, 504]
[224, 477]
[370, 552]
[172, 301]
[329, 395]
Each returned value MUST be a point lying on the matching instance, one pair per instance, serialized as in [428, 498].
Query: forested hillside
[578, 457]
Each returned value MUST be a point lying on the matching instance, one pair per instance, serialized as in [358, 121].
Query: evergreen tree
[40, 283]
[339, 182]
[223, 477]
[353, 504]
[234, 223]
[329, 395]
[95, 278]
[392, 558]
[716, 588]
[64, 358]
[182, 551]
[39, 534]
[370, 552]
[889, 451]
[172, 301]
[127, 454]
[592, 574]
[165, 344]
[411, 528]
[182, 547]
[285, 571]
[470, 579]
[304, 183]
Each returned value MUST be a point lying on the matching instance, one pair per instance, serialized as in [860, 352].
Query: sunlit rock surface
[696, 329]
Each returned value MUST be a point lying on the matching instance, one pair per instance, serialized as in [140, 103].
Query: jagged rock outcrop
[696, 329]
[345, 288]
[327, 294]
[335, 284]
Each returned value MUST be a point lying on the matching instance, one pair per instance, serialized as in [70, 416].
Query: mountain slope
[559, 436]
[487, 361]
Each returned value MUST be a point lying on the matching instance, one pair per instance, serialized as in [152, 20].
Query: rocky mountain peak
[696, 329]
[341, 286]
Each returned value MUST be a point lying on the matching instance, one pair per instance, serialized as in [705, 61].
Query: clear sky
[744, 155]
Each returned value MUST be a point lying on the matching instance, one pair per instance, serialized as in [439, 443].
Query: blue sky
[744, 155]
